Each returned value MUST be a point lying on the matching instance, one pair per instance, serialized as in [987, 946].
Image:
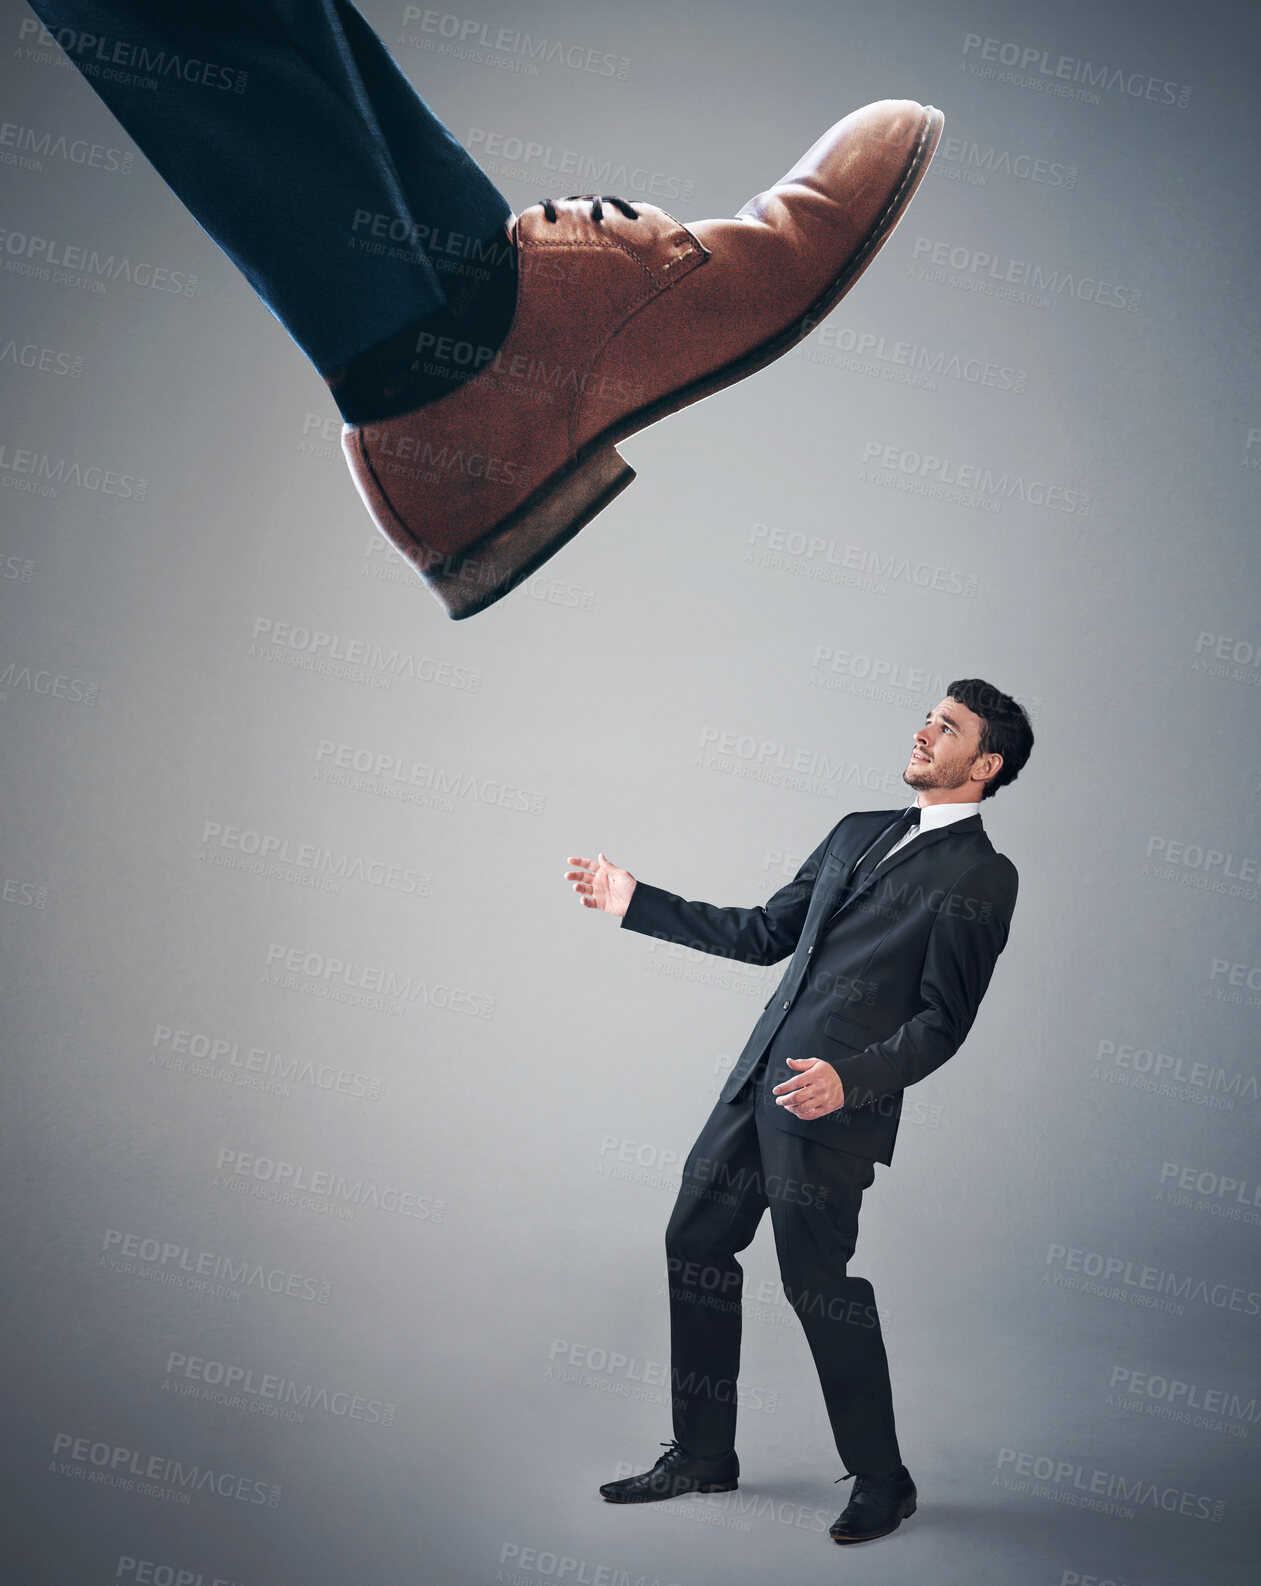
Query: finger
[578, 875]
[797, 1082]
[574, 859]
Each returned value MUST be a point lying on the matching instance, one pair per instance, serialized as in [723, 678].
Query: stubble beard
[920, 777]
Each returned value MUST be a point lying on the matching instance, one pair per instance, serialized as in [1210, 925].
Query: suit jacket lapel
[841, 879]
[917, 845]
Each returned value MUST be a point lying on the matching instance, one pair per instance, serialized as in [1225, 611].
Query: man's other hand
[601, 885]
[813, 1092]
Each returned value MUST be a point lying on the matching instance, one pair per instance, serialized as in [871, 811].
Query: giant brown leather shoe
[623, 315]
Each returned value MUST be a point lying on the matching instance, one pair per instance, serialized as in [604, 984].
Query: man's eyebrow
[946, 717]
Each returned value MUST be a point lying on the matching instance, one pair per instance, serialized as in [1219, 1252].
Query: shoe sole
[566, 503]
[660, 1497]
[850, 1541]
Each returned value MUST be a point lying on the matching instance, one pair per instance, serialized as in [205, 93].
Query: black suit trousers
[740, 1167]
[294, 139]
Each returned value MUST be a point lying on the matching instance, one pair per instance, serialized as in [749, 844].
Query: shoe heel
[478, 576]
[718, 1486]
[909, 1510]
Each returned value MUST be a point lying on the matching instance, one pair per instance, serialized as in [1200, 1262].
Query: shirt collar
[934, 816]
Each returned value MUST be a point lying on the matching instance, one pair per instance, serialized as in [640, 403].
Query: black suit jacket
[884, 982]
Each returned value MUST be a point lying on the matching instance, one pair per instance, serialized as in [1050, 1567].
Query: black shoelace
[598, 202]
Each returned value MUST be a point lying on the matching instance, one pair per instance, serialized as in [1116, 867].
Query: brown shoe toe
[624, 315]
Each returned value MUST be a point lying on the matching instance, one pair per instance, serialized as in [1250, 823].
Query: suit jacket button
[809, 950]
[785, 1005]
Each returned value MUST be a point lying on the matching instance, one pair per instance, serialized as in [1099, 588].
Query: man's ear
[986, 767]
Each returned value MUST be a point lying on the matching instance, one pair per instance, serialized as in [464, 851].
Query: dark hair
[1005, 727]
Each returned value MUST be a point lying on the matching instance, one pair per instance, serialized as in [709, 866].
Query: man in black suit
[894, 925]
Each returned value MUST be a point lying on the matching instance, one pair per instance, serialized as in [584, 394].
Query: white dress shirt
[931, 819]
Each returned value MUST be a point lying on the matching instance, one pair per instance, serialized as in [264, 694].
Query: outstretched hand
[601, 885]
[813, 1092]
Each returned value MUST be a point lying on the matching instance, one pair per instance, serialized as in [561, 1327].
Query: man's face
[946, 749]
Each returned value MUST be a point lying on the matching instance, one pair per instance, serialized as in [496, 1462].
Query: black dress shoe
[877, 1506]
[675, 1472]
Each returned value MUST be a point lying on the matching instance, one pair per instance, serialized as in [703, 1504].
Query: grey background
[540, 1078]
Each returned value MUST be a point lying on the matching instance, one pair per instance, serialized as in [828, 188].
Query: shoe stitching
[911, 170]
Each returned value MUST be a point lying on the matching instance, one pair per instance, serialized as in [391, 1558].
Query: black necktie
[879, 850]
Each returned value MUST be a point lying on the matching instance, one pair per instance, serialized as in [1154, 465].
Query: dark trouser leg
[814, 1193]
[282, 124]
[717, 1212]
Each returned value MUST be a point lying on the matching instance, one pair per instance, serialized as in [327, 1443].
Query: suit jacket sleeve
[967, 936]
[753, 936]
